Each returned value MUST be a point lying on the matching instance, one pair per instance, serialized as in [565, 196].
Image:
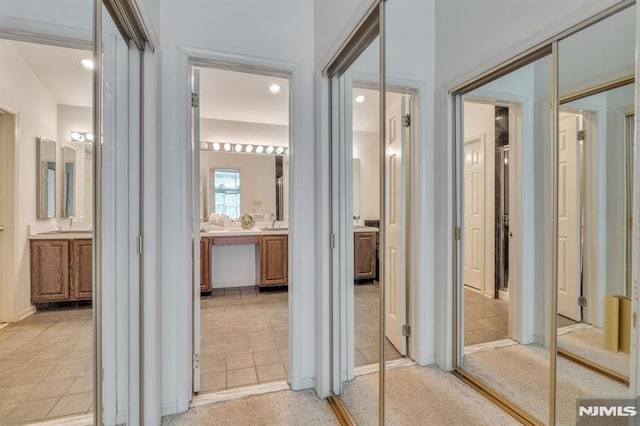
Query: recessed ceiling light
[249, 148]
[227, 146]
[216, 146]
[87, 64]
[279, 150]
[360, 99]
[259, 149]
[269, 149]
[275, 88]
[238, 147]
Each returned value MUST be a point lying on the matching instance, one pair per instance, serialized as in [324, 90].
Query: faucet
[273, 223]
[71, 222]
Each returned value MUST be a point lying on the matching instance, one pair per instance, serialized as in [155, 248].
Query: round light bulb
[75, 136]
[203, 145]
[216, 146]
[279, 150]
[275, 88]
[227, 146]
[90, 137]
[87, 64]
[360, 99]
[238, 147]
[259, 149]
[249, 148]
[287, 151]
[269, 149]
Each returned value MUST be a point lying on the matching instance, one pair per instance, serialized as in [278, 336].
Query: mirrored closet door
[596, 68]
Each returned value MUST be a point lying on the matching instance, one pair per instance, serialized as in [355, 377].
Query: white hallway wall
[22, 92]
[251, 28]
[477, 35]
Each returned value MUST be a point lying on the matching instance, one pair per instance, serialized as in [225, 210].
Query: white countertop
[265, 231]
[53, 235]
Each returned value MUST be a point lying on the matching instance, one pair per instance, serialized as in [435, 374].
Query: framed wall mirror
[68, 181]
[46, 178]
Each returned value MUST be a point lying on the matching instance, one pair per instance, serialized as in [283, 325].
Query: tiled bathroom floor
[367, 326]
[245, 336]
[485, 319]
[46, 367]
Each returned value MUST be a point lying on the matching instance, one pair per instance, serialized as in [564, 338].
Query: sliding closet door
[596, 68]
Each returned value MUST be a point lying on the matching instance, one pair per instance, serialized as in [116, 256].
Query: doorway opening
[490, 135]
[46, 213]
[241, 125]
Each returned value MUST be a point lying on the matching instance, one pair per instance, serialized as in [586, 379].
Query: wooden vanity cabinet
[81, 269]
[364, 255]
[61, 270]
[274, 259]
[205, 265]
[49, 271]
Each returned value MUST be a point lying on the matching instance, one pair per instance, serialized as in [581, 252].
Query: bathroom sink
[68, 231]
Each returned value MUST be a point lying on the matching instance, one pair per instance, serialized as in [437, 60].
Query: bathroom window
[227, 192]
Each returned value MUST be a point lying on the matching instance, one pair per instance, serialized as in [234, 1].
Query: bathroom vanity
[270, 256]
[270, 261]
[61, 267]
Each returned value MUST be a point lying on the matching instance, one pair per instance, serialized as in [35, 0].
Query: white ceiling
[238, 96]
[58, 68]
[366, 115]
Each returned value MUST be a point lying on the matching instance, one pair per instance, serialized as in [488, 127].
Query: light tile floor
[46, 367]
[485, 319]
[245, 336]
[367, 326]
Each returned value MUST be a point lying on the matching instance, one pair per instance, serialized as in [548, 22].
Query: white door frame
[298, 312]
[342, 210]
[521, 282]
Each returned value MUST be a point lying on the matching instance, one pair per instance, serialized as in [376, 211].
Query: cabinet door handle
[1, 228]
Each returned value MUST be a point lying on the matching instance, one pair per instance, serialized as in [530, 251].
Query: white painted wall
[213, 130]
[22, 92]
[251, 30]
[257, 179]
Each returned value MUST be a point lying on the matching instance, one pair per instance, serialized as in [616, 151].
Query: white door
[195, 201]
[568, 218]
[394, 270]
[474, 196]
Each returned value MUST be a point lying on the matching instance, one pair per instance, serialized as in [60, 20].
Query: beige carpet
[421, 396]
[588, 343]
[521, 374]
[278, 408]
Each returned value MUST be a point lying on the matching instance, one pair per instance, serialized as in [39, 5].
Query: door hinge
[457, 233]
[406, 330]
[139, 244]
[406, 120]
[196, 361]
[582, 301]
[582, 135]
[332, 241]
[195, 100]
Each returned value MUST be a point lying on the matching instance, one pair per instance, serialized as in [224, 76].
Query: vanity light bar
[81, 136]
[241, 147]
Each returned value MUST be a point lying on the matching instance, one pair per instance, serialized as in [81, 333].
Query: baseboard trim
[27, 312]
[482, 347]
[388, 366]
[239, 393]
[169, 409]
